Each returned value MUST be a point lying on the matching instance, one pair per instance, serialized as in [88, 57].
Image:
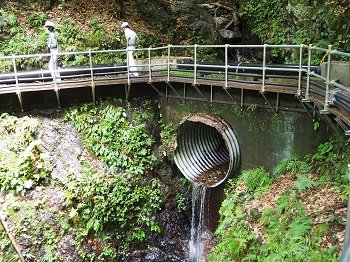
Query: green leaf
[299, 228]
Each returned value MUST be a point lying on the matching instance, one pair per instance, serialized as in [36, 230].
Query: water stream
[198, 226]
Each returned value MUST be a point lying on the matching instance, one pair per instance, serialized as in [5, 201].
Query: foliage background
[94, 25]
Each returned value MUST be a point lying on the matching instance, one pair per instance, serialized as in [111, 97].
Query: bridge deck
[297, 78]
[146, 79]
[40, 86]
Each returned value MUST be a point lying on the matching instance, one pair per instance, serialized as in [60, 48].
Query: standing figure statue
[131, 38]
[53, 47]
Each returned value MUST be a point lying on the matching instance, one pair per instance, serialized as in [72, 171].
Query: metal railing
[301, 78]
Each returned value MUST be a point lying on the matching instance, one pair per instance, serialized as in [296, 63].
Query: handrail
[227, 70]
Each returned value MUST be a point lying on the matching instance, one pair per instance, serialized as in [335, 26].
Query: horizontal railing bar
[340, 86]
[319, 49]
[211, 46]
[318, 76]
[284, 46]
[285, 69]
[340, 53]
[182, 46]
[248, 46]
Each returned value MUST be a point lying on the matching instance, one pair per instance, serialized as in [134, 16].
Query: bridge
[316, 86]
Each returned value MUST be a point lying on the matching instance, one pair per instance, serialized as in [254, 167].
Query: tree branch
[12, 239]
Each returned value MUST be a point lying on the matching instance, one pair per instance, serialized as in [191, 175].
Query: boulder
[230, 35]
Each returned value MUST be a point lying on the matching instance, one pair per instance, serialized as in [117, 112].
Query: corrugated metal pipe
[207, 150]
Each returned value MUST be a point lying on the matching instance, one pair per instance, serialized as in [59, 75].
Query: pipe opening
[207, 150]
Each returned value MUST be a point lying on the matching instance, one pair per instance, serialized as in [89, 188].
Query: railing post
[300, 69]
[264, 69]
[127, 65]
[326, 101]
[15, 71]
[307, 95]
[149, 66]
[18, 91]
[92, 78]
[169, 63]
[195, 65]
[54, 72]
[226, 65]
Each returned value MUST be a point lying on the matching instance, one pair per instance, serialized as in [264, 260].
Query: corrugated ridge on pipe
[207, 150]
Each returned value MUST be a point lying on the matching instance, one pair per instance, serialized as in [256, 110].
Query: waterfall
[196, 244]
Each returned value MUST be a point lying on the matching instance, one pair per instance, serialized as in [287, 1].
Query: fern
[256, 179]
[299, 228]
[283, 203]
[292, 165]
[303, 183]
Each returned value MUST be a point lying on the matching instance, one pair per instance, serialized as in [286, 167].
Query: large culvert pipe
[207, 150]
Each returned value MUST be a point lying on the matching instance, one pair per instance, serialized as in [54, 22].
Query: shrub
[120, 201]
[115, 140]
[125, 201]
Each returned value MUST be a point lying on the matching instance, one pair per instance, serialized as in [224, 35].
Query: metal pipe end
[207, 150]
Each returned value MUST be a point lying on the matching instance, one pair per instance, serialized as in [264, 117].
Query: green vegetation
[113, 138]
[7, 251]
[15, 39]
[24, 165]
[108, 207]
[118, 206]
[121, 199]
[168, 137]
[331, 162]
[256, 227]
[298, 22]
[257, 180]
[292, 165]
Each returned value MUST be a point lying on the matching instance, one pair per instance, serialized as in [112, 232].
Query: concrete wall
[265, 138]
[340, 72]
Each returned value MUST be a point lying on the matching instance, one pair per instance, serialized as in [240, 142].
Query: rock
[67, 249]
[154, 255]
[197, 25]
[231, 35]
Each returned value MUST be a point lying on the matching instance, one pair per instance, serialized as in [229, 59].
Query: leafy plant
[7, 20]
[168, 137]
[123, 204]
[292, 165]
[119, 200]
[26, 164]
[281, 232]
[252, 107]
[36, 20]
[113, 139]
[7, 251]
[256, 179]
[303, 183]
[331, 162]
[181, 202]
[125, 200]
[276, 22]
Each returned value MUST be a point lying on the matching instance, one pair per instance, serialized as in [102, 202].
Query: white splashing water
[196, 244]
